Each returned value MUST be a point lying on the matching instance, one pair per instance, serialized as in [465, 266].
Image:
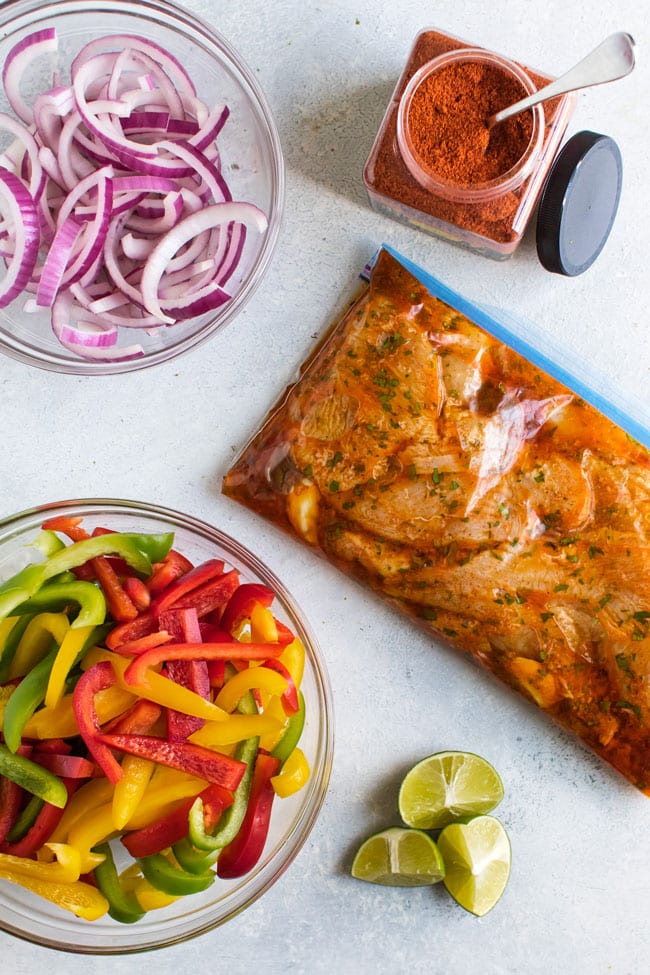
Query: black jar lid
[578, 203]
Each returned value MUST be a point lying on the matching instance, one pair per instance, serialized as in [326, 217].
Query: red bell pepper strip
[97, 678]
[289, 699]
[135, 647]
[136, 672]
[57, 746]
[66, 766]
[10, 800]
[183, 624]
[138, 720]
[118, 602]
[242, 854]
[285, 636]
[240, 605]
[193, 579]
[43, 827]
[211, 597]
[172, 568]
[143, 625]
[174, 826]
[137, 592]
[193, 759]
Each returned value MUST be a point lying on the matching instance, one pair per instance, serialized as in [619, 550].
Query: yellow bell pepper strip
[36, 641]
[89, 831]
[79, 897]
[139, 551]
[273, 708]
[123, 905]
[57, 596]
[82, 804]
[230, 823]
[163, 796]
[263, 628]
[149, 897]
[174, 880]
[98, 678]
[25, 699]
[72, 647]
[292, 733]
[293, 776]
[253, 677]
[64, 869]
[293, 658]
[195, 759]
[31, 777]
[60, 721]
[236, 728]
[9, 645]
[241, 603]
[241, 855]
[128, 792]
[160, 689]
[5, 693]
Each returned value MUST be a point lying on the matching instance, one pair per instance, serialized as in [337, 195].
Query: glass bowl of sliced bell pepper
[166, 727]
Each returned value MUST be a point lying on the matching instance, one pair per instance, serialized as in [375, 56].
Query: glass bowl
[34, 919]
[249, 147]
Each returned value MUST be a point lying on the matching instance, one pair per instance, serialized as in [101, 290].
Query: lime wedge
[399, 857]
[477, 862]
[446, 787]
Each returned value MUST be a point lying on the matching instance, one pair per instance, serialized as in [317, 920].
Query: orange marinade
[479, 495]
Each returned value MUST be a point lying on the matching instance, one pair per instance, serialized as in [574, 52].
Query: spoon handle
[612, 59]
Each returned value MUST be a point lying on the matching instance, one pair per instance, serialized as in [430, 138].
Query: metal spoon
[612, 59]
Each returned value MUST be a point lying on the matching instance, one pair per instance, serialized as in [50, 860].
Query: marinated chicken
[436, 465]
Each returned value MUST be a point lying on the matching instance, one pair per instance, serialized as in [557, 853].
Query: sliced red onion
[18, 61]
[172, 67]
[20, 210]
[126, 197]
[196, 223]
[57, 260]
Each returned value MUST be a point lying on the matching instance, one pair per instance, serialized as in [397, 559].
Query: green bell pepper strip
[139, 551]
[55, 596]
[232, 818]
[11, 645]
[122, 906]
[25, 819]
[48, 543]
[191, 859]
[292, 732]
[32, 777]
[25, 699]
[164, 876]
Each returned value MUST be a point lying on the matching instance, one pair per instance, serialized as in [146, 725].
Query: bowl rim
[17, 15]
[301, 828]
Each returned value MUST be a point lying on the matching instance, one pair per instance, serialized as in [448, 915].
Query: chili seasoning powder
[494, 227]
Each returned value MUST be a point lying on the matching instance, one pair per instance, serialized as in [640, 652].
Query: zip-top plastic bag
[429, 453]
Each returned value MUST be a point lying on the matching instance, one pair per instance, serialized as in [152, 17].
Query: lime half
[477, 862]
[399, 857]
[448, 786]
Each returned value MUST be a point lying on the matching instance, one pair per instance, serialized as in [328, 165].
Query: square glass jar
[491, 221]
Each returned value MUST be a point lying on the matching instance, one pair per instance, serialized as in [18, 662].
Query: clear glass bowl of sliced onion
[141, 183]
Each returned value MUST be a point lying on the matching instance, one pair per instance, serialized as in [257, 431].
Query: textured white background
[577, 902]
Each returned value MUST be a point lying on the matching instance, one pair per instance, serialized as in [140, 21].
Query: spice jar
[435, 165]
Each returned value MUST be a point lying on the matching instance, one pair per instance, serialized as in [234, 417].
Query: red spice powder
[447, 123]
[388, 178]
